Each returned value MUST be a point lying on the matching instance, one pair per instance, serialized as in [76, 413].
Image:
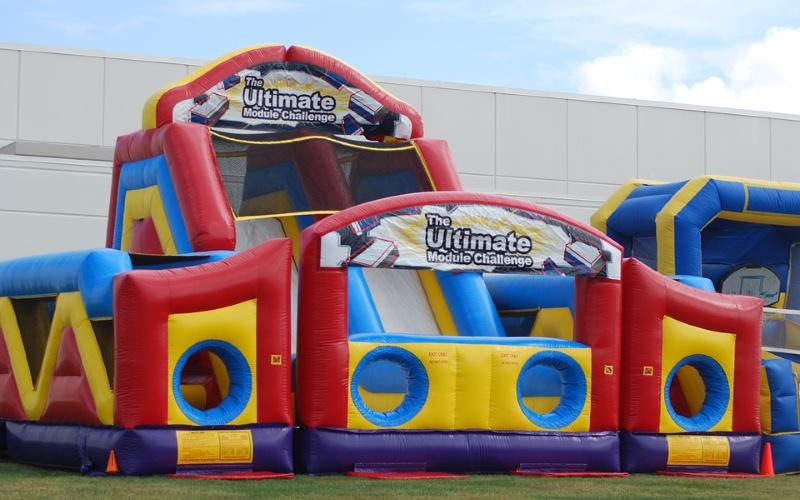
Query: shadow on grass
[21, 481]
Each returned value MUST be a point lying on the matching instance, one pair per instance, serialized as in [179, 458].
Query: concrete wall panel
[45, 233]
[9, 93]
[785, 150]
[128, 86]
[61, 98]
[737, 145]
[56, 192]
[602, 142]
[671, 143]
[531, 137]
[466, 120]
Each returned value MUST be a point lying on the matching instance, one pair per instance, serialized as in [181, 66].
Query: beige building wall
[62, 109]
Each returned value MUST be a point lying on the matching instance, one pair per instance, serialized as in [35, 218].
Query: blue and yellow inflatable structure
[709, 226]
[741, 236]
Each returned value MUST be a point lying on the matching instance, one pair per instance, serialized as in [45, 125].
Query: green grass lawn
[20, 481]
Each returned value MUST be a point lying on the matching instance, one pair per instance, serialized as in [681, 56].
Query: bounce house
[279, 203]
[389, 381]
[740, 236]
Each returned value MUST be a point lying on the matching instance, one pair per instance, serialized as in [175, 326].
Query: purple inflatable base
[329, 451]
[650, 453]
[139, 451]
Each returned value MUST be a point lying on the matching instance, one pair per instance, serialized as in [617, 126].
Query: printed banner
[285, 95]
[214, 447]
[707, 451]
[471, 237]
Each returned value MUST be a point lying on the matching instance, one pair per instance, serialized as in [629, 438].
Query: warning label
[711, 451]
[214, 447]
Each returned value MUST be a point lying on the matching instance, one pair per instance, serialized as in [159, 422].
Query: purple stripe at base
[650, 453]
[139, 451]
[326, 451]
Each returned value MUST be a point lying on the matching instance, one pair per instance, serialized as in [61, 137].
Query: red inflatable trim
[145, 238]
[215, 74]
[439, 162]
[248, 58]
[299, 53]
[322, 176]
[69, 398]
[598, 312]
[198, 185]
[10, 402]
[143, 301]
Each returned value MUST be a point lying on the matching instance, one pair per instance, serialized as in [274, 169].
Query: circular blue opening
[390, 369]
[717, 393]
[239, 389]
[572, 391]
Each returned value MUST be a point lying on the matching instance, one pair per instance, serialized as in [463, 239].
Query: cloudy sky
[734, 53]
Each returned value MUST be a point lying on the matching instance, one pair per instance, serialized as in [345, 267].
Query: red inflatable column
[598, 310]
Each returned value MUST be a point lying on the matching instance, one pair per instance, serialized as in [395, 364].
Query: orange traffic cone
[111, 466]
[767, 468]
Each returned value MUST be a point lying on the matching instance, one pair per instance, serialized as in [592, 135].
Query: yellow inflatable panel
[554, 322]
[765, 402]
[382, 401]
[142, 204]
[694, 389]
[542, 404]
[469, 386]
[69, 312]
[234, 324]
[681, 340]
[195, 394]
[437, 302]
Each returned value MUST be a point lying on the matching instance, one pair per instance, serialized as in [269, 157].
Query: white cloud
[763, 76]
[580, 21]
[637, 71]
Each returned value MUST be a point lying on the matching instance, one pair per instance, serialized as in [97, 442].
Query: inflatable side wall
[741, 236]
[690, 376]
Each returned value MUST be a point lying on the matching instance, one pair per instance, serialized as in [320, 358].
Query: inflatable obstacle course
[433, 331]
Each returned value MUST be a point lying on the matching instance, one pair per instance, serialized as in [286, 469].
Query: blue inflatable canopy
[739, 233]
